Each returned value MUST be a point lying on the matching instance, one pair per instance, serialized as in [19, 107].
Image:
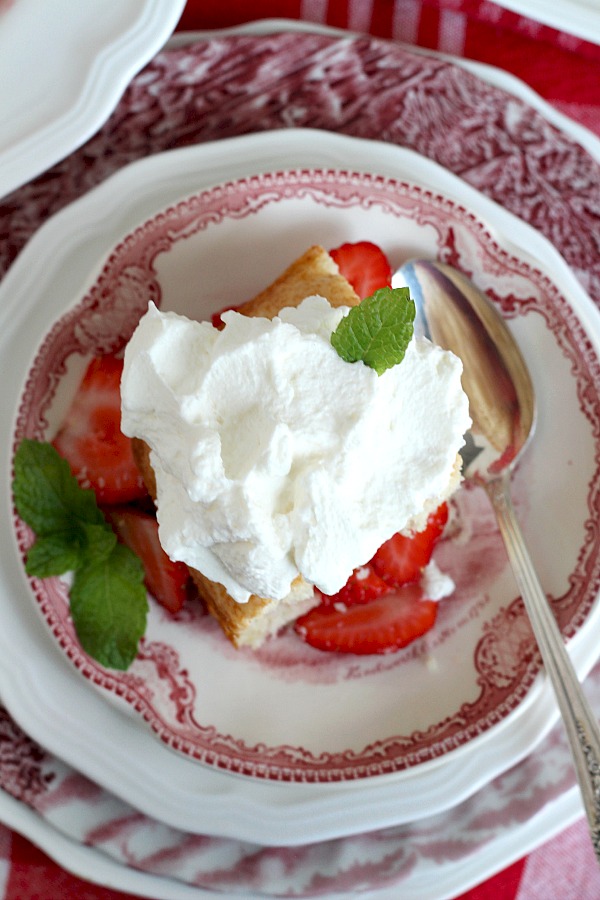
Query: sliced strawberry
[167, 581]
[364, 265]
[91, 440]
[363, 585]
[381, 626]
[401, 560]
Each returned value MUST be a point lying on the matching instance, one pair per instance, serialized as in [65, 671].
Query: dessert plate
[329, 717]
[97, 836]
[63, 69]
[484, 648]
[321, 80]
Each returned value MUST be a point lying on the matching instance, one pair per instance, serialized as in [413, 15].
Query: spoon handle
[581, 725]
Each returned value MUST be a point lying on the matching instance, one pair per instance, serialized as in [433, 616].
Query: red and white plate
[405, 735]
[520, 152]
[326, 717]
[93, 833]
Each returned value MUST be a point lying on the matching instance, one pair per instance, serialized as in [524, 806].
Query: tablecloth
[564, 70]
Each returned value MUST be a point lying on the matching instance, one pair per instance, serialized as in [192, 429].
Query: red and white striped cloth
[565, 71]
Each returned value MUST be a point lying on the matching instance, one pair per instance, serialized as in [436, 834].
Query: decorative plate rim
[178, 221]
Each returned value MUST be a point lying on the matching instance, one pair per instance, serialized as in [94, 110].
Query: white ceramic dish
[45, 697]
[544, 806]
[325, 717]
[579, 17]
[63, 69]
[98, 837]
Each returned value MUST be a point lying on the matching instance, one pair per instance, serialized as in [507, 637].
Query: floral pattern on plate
[511, 158]
[361, 87]
[478, 664]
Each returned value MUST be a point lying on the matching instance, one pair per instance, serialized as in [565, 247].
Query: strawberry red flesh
[91, 440]
[363, 585]
[167, 581]
[364, 265]
[383, 625]
[401, 560]
[381, 607]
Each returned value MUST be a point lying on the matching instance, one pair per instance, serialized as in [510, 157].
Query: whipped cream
[275, 458]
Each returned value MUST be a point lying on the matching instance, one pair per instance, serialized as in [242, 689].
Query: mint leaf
[54, 554]
[65, 551]
[378, 330]
[109, 607]
[100, 541]
[109, 604]
[46, 494]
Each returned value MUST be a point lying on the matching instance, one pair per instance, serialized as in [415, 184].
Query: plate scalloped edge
[186, 155]
[106, 77]
[190, 211]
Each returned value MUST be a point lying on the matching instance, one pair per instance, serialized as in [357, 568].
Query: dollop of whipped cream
[275, 458]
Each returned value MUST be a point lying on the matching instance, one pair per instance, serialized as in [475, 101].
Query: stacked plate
[287, 747]
[88, 63]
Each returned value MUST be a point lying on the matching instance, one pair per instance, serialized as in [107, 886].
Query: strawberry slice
[401, 560]
[383, 625]
[364, 265]
[363, 585]
[91, 440]
[167, 581]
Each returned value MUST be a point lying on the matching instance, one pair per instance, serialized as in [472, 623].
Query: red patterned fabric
[33, 876]
[505, 884]
[564, 70]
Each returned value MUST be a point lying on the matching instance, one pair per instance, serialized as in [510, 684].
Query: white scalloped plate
[53, 272]
[92, 833]
[326, 717]
[63, 68]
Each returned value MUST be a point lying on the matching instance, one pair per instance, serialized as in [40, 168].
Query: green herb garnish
[378, 330]
[109, 604]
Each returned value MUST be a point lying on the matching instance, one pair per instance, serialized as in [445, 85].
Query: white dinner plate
[63, 68]
[323, 717]
[59, 267]
[579, 17]
[97, 836]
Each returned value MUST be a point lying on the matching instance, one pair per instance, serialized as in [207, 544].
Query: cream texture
[275, 458]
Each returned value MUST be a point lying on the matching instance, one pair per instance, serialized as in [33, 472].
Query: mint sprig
[378, 330]
[109, 604]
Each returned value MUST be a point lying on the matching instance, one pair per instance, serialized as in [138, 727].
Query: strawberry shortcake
[300, 453]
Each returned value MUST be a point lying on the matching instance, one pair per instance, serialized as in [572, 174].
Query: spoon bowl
[456, 315]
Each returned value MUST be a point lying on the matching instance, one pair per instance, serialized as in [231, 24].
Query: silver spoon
[454, 314]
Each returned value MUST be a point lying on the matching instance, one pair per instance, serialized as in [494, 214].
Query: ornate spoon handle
[581, 725]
